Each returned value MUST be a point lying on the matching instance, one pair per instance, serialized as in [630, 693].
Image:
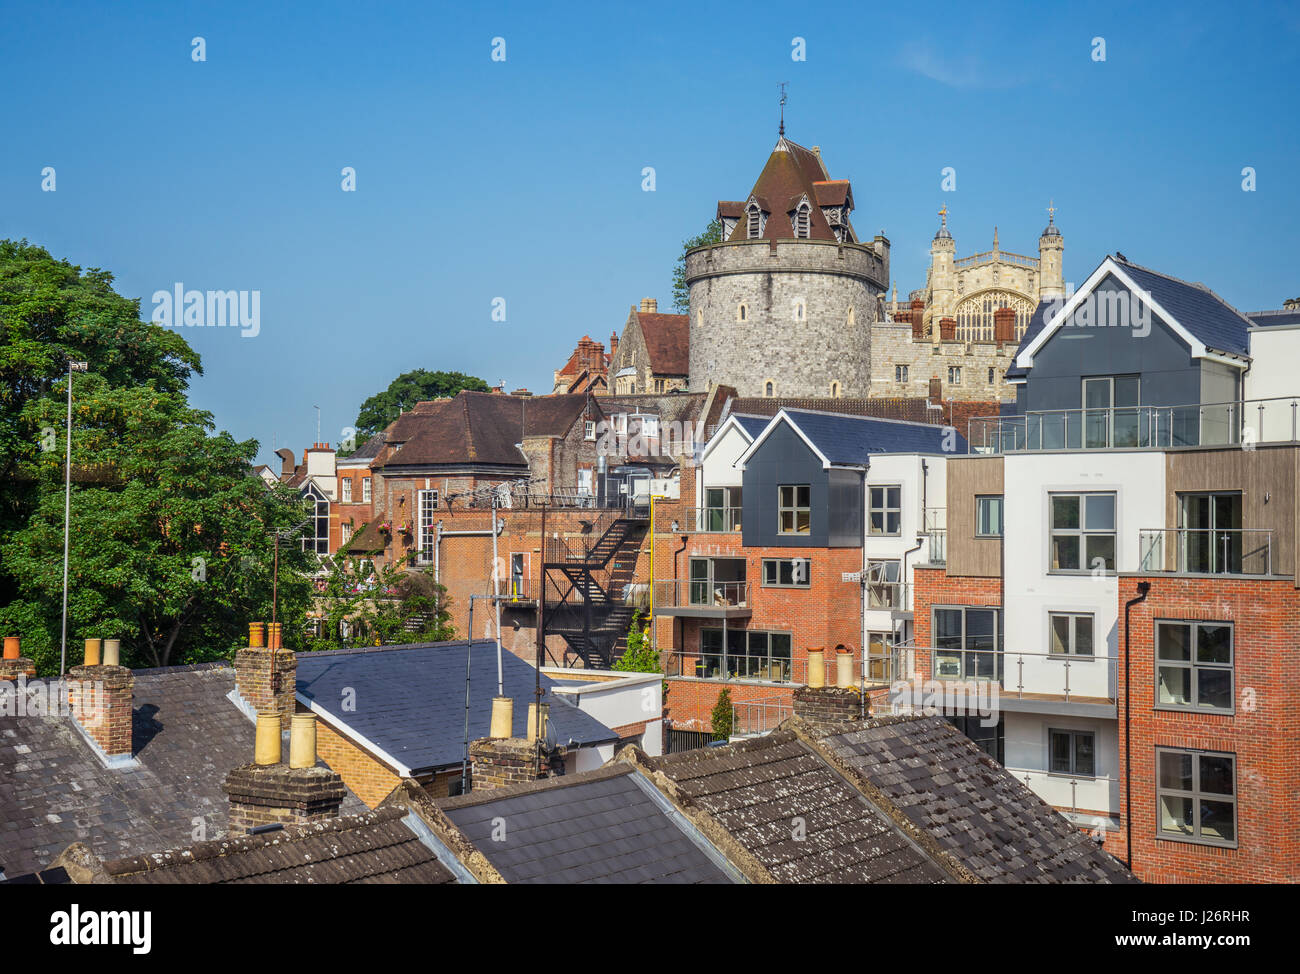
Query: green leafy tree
[681, 293]
[381, 608]
[641, 655]
[172, 538]
[720, 718]
[405, 391]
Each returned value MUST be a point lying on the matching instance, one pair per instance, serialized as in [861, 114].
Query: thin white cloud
[964, 70]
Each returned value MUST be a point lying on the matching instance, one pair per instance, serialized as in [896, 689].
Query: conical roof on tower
[792, 174]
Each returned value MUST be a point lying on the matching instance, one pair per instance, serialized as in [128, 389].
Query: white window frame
[345, 484]
[365, 490]
[426, 508]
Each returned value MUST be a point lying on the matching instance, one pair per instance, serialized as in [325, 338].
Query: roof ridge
[1186, 283]
[874, 419]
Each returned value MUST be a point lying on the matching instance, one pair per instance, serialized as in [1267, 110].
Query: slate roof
[1264, 319]
[980, 814]
[602, 826]
[757, 789]
[1214, 322]
[1217, 324]
[372, 848]
[851, 440]
[477, 428]
[410, 700]
[187, 736]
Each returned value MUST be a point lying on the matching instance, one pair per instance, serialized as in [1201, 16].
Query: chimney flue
[816, 668]
[267, 748]
[302, 741]
[503, 718]
[92, 652]
[843, 667]
[112, 652]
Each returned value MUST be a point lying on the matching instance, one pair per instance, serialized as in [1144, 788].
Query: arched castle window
[802, 220]
[835, 390]
[797, 308]
[742, 312]
[699, 319]
[753, 221]
[974, 313]
[769, 388]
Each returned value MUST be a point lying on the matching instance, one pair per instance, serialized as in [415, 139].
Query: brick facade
[100, 698]
[497, 763]
[277, 794]
[266, 678]
[1261, 732]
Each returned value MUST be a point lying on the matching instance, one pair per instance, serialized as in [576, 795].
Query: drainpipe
[1144, 588]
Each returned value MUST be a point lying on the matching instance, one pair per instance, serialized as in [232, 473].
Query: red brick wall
[690, 702]
[934, 586]
[1266, 647]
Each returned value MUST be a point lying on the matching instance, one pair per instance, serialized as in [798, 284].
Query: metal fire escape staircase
[584, 585]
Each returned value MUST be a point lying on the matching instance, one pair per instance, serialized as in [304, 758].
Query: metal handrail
[1137, 427]
[677, 593]
[907, 666]
[1219, 555]
[716, 520]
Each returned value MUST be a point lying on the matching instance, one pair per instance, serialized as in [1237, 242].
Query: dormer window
[753, 221]
[803, 220]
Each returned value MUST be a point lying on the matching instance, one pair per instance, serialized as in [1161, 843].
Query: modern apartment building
[1120, 566]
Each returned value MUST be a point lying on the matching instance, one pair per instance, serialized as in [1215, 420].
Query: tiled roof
[851, 440]
[667, 342]
[791, 173]
[980, 814]
[187, 736]
[478, 428]
[913, 409]
[372, 848]
[410, 700]
[603, 826]
[764, 790]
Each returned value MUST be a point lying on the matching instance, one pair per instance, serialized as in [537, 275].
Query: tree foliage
[382, 608]
[711, 234]
[721, 716]
[172, 541]
[405, 391]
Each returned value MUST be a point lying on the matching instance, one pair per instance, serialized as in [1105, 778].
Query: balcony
[1206, 551]
[703, 599]
[935, 531]
[1025, 681]
[889, 595]
[713, 520]
[1274, 420]
[771, 667]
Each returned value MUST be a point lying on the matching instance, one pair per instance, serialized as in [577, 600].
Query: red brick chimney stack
[1004, 326]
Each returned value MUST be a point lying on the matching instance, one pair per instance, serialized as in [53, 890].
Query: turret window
[742, 313]
[753, 221]
[769, 388]
[802, 220]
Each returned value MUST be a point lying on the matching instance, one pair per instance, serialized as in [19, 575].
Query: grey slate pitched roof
[1265, 319]
[758, 789]
[981, 815]
[1198, 309]
[187, 736]
[753, 425]
[851, 440]
[596, 827]
[410, 700]
[372, 848]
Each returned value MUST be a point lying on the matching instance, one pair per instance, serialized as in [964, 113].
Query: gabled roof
[791, 173]
[410, 700]
[849, 441]
[603, 826]
[1208, 324]
[667, 342]
[978, 812]
[478, 428]
[747, 426]
[376, 847]
[754, 789]
[187, 736]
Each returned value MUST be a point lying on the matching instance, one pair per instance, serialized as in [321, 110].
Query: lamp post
[67, 512]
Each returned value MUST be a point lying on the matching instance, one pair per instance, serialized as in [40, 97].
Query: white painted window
[347, 490]
[427, 506]
[365, 490]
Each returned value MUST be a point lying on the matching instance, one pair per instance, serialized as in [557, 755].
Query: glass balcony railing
[1275, 420]
[1206, 551]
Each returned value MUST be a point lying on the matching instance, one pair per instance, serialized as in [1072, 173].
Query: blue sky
[521, 179]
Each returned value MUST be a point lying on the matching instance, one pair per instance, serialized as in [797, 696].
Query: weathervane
[1051, 211]
[783, 101]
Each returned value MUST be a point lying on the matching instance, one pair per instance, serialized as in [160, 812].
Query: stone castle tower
[784, 305]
